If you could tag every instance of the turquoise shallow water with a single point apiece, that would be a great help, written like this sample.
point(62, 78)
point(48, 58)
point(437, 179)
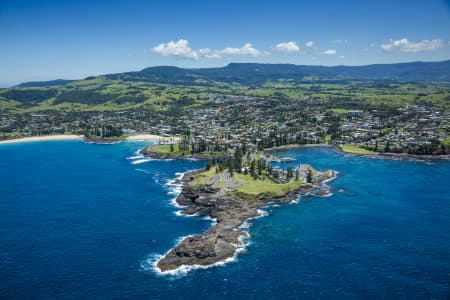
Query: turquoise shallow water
point(81, 221)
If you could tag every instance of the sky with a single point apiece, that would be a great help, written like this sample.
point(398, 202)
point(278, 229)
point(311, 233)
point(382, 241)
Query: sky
point(50, 39)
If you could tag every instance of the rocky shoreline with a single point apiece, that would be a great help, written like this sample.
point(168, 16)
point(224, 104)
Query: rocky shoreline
point(148, 153)
point(221, 241)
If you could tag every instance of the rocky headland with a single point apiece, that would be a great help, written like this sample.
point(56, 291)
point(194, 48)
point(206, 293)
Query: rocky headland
point(230, 209)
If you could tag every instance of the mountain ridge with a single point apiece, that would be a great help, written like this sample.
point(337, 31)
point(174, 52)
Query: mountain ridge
point(259, 73)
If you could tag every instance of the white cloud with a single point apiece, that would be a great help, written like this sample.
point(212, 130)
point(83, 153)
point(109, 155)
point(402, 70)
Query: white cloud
point(310, 44)
point(181, 49)
point(213, 56)
point(178, 49)
point(404, 45)
point(208, 53)
point(329, 52)
point(288, 47)
point(204, 51)
point(247, 50)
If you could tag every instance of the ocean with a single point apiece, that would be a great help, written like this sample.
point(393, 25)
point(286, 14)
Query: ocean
point(88, 221)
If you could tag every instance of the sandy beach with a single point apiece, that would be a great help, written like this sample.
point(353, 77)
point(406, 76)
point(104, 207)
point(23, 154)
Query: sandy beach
point(60, 137)
point(152, 137)
point(57, 137)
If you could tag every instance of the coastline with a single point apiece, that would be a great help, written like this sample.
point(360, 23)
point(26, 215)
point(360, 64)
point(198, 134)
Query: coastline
point(43, 138)
point(374, 155)
point(62, 137)
point(151, 137)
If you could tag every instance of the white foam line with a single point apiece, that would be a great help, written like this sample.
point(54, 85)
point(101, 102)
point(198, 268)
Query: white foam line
point(135, 157)
point(295, 201)
point(262, 213)
point(142, 170)
point(246, 224)
point(175, 188)
point(102, 143)
point(212, 220)
point(325, 196)
point(180, 214)
point(140, 161)
point(329, 179)
point(174, 202)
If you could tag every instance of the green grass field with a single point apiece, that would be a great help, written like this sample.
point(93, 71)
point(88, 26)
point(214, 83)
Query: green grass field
point(339, 110)
point(249, 188)
point(354, 149)
point(263, 185)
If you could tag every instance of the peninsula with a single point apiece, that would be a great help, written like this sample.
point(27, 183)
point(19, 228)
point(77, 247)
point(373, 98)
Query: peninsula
point(232, 189)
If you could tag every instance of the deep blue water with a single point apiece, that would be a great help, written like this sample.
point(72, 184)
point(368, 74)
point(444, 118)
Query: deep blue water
point(81, 221)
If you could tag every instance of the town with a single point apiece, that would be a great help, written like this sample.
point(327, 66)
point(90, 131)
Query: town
point(259, 123)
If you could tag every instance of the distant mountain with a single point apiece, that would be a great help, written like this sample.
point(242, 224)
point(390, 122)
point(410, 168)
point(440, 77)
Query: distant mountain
point(116, 90)
point(257, 74)
point(254, 74)
point(44, 83)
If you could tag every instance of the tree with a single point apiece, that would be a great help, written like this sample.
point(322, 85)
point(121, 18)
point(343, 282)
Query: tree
point(289, 174)
point(260, 167)
point(230, 168)
point(387, 148)
point(208, 165)
point(237, 161)
point(171, 148)
point(443, 150)
point(309, 176)
point(252, 168)
point(276, 175)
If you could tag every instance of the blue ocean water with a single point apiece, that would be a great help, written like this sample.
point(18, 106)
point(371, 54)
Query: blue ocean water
point(81, 221)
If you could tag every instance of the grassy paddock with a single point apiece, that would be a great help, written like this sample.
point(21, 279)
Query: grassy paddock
point(263, 185)
point(354, 149)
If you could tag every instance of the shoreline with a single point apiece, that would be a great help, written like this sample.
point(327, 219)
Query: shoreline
point(374, 155)
point(151, 137)
point(63, 137)
point(43, 138)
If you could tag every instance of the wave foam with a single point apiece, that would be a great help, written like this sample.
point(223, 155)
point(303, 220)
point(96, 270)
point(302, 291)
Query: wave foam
point(295, 201)
point(180, 214)
point(246, 224)
point(135, 157)
point(174, 187)
point(142, 170)
point(140, 161)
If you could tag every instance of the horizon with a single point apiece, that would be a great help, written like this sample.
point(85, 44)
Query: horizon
point(51, 39)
